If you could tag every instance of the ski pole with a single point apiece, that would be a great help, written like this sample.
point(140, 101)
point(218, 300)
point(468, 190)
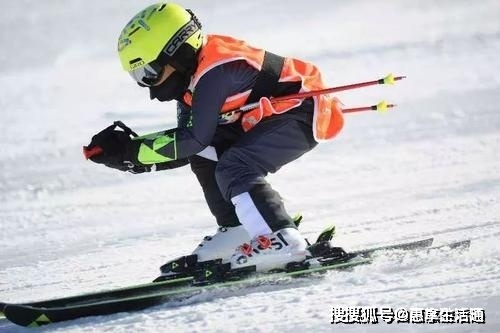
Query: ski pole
point(380, 107)
point(389, 79)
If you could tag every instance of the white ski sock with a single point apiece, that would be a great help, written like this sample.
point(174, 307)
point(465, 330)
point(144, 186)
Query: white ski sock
point(249, 215)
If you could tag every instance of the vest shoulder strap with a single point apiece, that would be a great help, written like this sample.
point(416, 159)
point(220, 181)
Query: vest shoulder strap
point(267, 79)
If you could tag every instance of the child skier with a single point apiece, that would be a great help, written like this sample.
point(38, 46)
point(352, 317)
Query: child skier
point(163, 49)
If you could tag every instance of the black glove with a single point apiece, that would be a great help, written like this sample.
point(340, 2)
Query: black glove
point(114, 148)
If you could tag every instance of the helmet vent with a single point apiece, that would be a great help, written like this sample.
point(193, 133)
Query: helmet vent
point(133, 31)
point(162, 6)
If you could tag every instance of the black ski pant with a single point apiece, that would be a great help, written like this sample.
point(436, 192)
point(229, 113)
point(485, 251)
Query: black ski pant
point(245, 158)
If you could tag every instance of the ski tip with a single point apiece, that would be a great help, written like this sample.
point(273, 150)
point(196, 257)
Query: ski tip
point(465, 243)
point(458, 245)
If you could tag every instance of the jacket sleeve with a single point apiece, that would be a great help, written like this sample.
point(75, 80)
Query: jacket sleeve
point(195, 133)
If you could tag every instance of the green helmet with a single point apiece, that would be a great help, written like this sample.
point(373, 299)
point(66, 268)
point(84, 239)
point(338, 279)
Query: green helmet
point(164, 33)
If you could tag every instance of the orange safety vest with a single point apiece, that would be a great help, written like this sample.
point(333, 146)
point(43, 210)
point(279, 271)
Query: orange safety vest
point(218, 50)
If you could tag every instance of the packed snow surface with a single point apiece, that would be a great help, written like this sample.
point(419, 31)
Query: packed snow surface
point(430, 167)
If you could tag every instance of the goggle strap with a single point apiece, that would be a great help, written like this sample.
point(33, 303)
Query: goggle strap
point(181, 36)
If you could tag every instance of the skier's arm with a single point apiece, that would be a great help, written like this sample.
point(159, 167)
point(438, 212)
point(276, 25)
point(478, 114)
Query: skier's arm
point(182, 142)
point(196, 127)
point(183, 120)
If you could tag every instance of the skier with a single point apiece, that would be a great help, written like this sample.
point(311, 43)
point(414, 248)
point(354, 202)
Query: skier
point(164, 50)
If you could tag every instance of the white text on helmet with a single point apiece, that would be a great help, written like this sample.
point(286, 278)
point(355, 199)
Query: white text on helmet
point(180, 37)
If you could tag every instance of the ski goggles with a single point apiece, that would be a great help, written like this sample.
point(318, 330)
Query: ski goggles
point(148, 75)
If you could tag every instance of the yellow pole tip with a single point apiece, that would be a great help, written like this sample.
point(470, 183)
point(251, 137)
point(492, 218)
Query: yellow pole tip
point(389, 79)
point(382, 106)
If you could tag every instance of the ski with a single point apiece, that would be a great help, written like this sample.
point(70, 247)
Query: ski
point(464, 244)
point(402, 246)
point(153, 287)
point(146, 295)
point(34, 316)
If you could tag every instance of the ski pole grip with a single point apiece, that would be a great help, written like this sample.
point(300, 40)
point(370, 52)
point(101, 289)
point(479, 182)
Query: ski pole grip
point(90, 152)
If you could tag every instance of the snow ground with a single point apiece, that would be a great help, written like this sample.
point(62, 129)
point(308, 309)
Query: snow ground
point(431, 167)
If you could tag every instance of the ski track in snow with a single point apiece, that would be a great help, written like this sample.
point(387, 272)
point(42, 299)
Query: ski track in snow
point(429, 168)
